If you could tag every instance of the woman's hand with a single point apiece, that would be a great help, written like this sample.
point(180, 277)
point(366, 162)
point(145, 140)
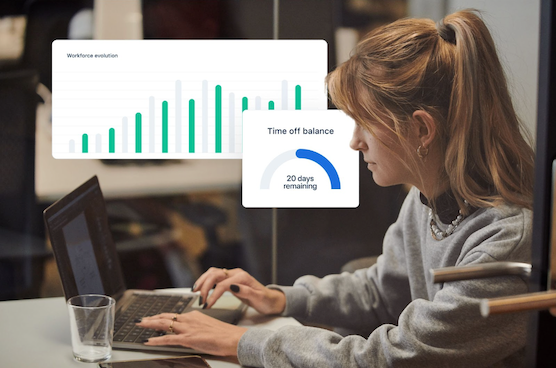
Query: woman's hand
point(243, 286)
point(195, 330)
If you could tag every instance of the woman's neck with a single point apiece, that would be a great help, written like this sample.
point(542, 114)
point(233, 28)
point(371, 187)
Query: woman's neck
point(433, 190)
point(431, 181)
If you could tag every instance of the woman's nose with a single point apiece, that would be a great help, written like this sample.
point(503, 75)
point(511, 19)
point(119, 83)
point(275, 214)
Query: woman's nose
point(357, 143)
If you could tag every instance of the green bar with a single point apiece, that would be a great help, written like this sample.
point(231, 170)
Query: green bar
point(191, 126)
point(112, 139)
point(164, 126)
point(298, 97)
point(85, 143)
point(218, 122)
point(271, 105)
point(245, 104)
point(138, 132)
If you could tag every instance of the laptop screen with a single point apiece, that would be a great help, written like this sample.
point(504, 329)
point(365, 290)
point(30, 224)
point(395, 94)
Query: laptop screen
point(82, 243)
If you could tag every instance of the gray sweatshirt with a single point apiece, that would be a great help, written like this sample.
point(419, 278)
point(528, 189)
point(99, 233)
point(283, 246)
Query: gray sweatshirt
point(397, 316)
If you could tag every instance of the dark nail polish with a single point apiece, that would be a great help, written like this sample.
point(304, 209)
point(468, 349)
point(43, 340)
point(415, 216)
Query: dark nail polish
point(194, 287)
point(137, 320)
point(205, 306)
point(200, 301)
point(214, 287)
point(234, 288)
point(144, 341)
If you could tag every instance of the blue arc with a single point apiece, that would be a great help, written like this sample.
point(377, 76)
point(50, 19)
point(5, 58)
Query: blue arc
point(305, 154)
point(324, 163)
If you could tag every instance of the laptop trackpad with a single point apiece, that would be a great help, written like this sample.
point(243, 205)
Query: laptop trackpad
point(221, 309)
point(226, 301)
point(221, 314)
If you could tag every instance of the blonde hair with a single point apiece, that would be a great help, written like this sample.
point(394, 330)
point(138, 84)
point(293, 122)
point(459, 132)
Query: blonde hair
point(451, 71)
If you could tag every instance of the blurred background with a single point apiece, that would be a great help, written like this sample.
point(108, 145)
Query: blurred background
point(168, 233)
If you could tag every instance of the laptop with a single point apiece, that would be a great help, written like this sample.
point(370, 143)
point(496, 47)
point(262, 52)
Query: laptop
point(88, 263)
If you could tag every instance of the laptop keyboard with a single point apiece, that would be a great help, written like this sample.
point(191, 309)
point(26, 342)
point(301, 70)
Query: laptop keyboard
point(145, 305)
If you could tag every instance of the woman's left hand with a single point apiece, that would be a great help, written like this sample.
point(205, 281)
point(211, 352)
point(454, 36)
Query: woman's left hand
point(195, 330)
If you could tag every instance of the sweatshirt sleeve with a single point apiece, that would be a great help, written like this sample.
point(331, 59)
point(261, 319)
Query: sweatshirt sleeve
point(445, 331)
point(359, 301)
point(448, 331)
point(354, 301)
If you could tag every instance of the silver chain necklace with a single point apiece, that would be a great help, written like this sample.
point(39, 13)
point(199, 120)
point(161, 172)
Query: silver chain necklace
point(438, 234)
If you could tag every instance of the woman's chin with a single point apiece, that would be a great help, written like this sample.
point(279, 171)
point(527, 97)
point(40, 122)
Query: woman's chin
point(379, 180)
point(379, 183)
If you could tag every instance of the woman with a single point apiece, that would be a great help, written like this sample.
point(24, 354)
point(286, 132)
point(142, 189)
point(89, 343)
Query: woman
point(432, 110)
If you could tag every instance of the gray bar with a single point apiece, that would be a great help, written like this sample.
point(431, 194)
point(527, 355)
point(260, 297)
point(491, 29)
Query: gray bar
point(151, 124)
point(205, 117)
point(479, 271)
point(284, 95)
point(231, 101)
point(258, 103)
point(519, 303)
point(72, 146)
point(98, 143)
point(274, 276)
point(275, 28)
point(124, 135)
point(178, 116)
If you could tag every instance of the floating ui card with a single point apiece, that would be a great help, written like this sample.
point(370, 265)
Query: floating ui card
point(175, 99)
point(299, 159)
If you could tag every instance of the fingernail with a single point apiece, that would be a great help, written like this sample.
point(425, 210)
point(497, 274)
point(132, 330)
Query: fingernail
point(137, 320)
point(234, 288)
point(194, 287)
point(144, 341)
point(214, 286)
point(205, 306)
point(200, 301)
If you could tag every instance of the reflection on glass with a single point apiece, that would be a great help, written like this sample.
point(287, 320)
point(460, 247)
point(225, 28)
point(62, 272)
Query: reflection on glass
point(553, 230)
point(552, 281)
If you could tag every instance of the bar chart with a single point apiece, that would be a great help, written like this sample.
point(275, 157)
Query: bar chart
point(175, 98)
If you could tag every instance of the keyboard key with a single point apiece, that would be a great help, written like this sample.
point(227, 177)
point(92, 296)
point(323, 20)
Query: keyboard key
point(143, 305)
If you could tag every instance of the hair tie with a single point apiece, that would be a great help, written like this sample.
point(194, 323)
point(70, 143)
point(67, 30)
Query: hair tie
point(446, 31)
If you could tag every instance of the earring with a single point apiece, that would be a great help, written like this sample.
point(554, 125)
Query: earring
point(422, 152)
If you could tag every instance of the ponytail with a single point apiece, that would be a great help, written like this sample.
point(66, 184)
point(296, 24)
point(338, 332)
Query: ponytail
point(486, 156)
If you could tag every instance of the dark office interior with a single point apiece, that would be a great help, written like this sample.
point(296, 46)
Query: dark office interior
point(219, 231)
point(169, 239)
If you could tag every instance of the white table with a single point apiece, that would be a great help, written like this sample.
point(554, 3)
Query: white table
point(36, 334)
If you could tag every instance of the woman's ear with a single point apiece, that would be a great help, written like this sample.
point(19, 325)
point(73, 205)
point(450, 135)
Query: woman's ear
point(424, 127)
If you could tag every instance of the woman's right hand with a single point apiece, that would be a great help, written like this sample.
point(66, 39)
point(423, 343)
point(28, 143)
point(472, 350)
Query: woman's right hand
point(243, 286)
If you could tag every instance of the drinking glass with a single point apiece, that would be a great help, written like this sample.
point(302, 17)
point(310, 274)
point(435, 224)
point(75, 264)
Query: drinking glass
point(92, 327)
